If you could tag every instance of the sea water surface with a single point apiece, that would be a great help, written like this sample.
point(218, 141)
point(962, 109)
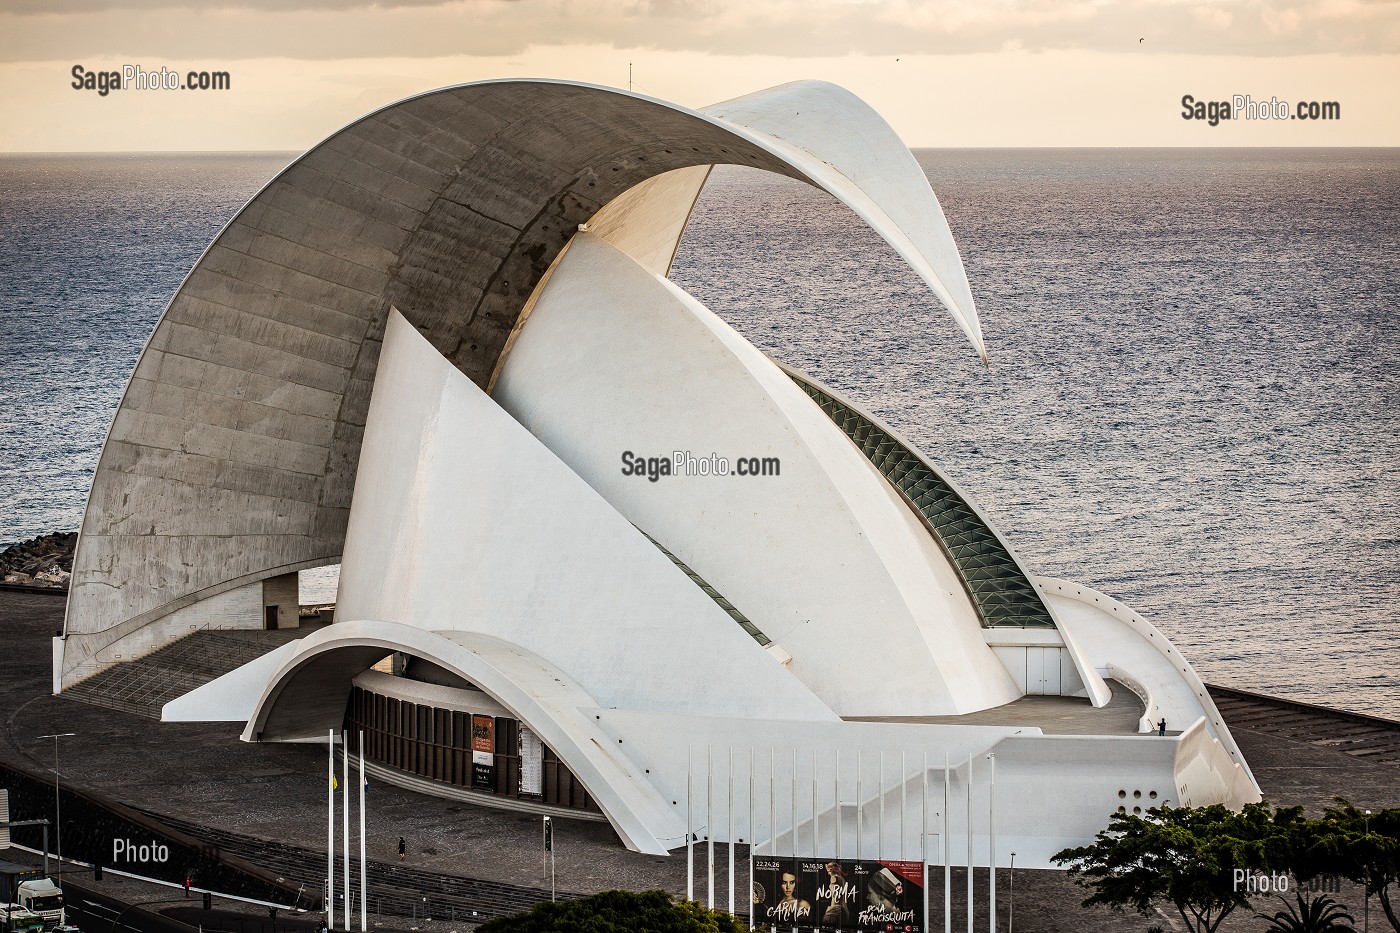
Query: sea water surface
point(1192, 401)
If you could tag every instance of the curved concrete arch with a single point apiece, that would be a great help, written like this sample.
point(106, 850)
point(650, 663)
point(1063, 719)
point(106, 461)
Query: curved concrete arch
point(306, 696)
point(233, 453)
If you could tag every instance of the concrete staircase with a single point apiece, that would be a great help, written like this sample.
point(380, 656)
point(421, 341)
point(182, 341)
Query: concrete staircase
point(145, 685)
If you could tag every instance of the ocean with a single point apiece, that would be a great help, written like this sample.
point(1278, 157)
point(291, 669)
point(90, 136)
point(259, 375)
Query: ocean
point(1192, 401)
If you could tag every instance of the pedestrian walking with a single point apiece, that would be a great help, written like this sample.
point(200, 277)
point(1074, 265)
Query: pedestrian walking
point(403, 848)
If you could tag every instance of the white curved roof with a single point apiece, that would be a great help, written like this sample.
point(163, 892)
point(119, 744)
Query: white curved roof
point(824, 557)
point(235, 449)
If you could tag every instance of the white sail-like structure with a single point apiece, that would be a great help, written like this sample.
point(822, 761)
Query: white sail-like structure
point(588, 534)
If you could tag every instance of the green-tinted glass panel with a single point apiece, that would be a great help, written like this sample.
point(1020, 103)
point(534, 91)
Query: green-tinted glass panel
point(999, 589)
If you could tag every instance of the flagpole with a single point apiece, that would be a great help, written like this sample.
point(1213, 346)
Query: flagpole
point(969, 844)
point(345, 820)
point(689, 822)
point(792, 832)
point(364, 899)
point(330, 828)
point(923, 842)
point(947, 849)
point(752, 837)
point(730, 809)
point(836, 797)
point(860, 808)
point(792, 796)
point(880, 852)
point(772, 800)
point(992, 840)
point(710, 826)
point(903, 800)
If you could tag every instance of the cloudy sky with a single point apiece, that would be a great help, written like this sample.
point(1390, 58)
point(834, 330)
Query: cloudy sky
point(997, 73)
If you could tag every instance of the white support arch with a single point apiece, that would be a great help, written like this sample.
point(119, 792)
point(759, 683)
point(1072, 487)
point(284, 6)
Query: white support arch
point(308, 692)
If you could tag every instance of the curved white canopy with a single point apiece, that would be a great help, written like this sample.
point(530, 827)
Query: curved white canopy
point(233, 454)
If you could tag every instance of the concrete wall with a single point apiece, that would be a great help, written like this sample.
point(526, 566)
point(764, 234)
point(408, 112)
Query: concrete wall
point(283, 592)
point(240, 608)
point(233, 454)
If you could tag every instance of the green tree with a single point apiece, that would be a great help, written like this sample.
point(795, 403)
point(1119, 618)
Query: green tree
point(1363, 849)
point(1184, 856)
point(618, 912)
point(1285, 842)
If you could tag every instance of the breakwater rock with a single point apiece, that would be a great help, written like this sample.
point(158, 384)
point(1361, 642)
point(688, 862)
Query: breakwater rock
point(44, 561)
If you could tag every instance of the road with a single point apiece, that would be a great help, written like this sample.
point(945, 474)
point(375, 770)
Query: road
point(98, 913)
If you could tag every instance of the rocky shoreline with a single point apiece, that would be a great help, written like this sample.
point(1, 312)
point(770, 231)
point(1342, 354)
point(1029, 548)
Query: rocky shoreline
point(45, 561)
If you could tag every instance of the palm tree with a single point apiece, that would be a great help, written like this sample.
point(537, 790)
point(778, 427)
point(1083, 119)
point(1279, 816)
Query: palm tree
point(1317, 915)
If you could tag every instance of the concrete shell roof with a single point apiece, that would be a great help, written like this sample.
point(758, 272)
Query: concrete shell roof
point(233, 454)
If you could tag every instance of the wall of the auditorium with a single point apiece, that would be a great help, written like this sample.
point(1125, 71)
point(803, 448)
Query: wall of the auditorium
point(458, 737)
point(281, 602)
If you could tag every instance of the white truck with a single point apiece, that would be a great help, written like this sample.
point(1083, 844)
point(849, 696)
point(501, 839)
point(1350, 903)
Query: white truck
point(43, 897)
point(26, 887)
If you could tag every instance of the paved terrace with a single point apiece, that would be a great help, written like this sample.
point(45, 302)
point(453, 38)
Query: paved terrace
point(1052, 715)
point(272, 796)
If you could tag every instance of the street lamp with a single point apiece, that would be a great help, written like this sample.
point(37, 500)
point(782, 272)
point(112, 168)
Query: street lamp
point(1367, 887)
point(57, 802)
point(1011, 916)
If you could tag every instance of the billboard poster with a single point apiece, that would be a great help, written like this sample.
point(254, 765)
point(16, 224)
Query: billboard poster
point(483, 751)
point(837, 895)
point(531, 763)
